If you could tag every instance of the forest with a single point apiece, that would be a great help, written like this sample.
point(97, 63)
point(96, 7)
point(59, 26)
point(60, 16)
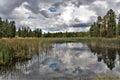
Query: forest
point(106, 26)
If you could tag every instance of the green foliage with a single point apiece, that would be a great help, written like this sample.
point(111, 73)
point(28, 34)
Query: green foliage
point(66, 34)
point(4, 54)
point(27, 32)
point(7, 28)
point(111, 23)
point(95, 30)
point(106, 26)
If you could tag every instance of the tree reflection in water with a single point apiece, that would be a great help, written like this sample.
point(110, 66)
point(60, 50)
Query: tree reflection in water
point(107, 54)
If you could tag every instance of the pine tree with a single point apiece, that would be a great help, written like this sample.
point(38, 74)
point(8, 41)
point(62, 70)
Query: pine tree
point(19, 32)
point(103, 30)
point(99, 24)
point(13, 28)
point(111, 23)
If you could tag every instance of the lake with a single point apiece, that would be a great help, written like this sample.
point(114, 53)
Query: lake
point(63, 61)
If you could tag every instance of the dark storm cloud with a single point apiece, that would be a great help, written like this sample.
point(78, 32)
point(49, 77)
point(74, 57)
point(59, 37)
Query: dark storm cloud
point(59, 4)
point(48, 14)
point(45, 13)
point(7, 6)
point(77, 3)
point(34, 9)
point(86, 2)
point(81, 25)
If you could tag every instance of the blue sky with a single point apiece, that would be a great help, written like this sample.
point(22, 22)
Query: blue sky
point(56, 15)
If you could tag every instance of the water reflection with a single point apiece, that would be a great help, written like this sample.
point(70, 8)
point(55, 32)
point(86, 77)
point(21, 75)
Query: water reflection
point(110, 56)
point(64, 61)
point(18, 56)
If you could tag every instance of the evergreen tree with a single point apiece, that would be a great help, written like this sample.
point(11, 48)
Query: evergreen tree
point(103, 30)
point(13, 28)
point(92, 30)
point(19, 32)
point(99, 23)
point(30, 33)
point(111, 23)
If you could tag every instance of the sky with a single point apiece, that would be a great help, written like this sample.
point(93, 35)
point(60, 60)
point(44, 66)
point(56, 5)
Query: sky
point(56, 15)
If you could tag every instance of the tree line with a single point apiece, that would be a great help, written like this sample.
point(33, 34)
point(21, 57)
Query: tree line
point(106, 26)
point(8, 30)
point(27, 32)
point(66, 34)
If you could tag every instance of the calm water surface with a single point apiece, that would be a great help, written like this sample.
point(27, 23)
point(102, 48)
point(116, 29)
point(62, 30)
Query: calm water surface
point(66, 61)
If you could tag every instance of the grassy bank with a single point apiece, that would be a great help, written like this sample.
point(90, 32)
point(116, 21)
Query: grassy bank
point(64, 38)
point(103, 42)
